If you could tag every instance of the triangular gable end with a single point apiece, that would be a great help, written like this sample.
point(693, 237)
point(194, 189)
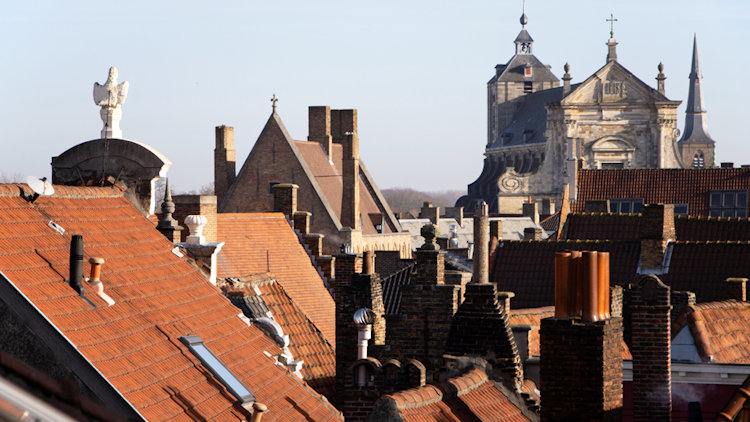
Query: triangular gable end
point(614, 84)
point(273, 130)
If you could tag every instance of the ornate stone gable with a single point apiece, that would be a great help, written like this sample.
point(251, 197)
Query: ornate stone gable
point(612, 84)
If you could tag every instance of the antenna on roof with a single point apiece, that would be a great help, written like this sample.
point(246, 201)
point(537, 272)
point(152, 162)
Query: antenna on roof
point(40, 186)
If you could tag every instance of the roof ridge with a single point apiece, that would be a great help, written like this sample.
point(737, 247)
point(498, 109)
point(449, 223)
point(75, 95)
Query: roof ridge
point(68, 192)
point(414, 397)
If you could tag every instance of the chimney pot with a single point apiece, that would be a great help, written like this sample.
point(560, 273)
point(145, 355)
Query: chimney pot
point(504, 299)
point(96, 269)
point(196, 223)
point(258, 410)
point(368, 262)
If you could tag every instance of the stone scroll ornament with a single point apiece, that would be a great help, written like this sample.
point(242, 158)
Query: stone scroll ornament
point(110, 97)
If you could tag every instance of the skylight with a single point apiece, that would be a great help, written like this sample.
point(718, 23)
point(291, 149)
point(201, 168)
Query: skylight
point(220, 371)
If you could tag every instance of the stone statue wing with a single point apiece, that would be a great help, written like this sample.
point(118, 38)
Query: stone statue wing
point(122, 92)
point(100, 94)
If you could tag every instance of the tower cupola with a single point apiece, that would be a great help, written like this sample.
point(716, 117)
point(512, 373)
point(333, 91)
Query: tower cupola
point(523, 40)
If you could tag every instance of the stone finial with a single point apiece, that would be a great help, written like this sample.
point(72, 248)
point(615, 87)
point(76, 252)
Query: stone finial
point(429, 232)
point(110, 97)
point(167, 224)
point(196, 223)
point(566, 67)
point(660, 78)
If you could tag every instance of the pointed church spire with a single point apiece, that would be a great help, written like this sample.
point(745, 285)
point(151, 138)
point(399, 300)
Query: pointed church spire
point(696, 125)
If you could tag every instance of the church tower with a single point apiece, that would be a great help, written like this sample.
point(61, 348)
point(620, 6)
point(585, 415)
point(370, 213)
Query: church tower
point(696, 145)
point(522, 75)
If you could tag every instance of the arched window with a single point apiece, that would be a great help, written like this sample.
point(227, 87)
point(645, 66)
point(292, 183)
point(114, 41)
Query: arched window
point(698, 161)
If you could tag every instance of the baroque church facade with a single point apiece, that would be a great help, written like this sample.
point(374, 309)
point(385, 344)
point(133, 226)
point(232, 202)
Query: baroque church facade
point(539, 132)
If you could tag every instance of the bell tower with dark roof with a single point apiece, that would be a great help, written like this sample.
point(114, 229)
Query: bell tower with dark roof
point(512, 82)
point(696, 145)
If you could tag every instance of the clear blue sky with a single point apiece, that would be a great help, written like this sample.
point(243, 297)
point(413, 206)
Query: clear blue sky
point(416, 70)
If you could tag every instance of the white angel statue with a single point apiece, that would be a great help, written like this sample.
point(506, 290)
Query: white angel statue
point(110, 97)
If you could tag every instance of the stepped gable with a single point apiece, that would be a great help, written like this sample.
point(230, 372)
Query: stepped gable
point(468, 397)
point(130, 353)
point(660, 186)
point(721, 330)
point(526, 268)
point(265, 242)
point(306, 342)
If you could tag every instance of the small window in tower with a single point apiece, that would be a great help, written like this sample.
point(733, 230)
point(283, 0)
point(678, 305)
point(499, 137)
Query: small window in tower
point(527, 71)
point(528, 87)
point(698, 160)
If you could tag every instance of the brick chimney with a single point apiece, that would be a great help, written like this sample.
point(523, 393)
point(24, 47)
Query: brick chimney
point(581, 352)
point(224, 161)
point(319, 127)
point(737, 289)
point(204, 205)
point(350, 199)
point(343, 122)
point(285, 198)
point(532, 233)
point(530, 210)
point(656, 231)
point(481, 243)
point(651, 350)
point(431, 212)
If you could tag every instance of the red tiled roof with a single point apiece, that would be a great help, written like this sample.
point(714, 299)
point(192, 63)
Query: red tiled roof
point(329, 177)
point(159, 298)
point(721, 330)
point(306, 342)
point(265, 242)
point(469, 397)
point(526, 268)
point(659, 186)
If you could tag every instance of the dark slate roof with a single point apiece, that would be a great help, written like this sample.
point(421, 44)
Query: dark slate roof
point(703, 267)
point(523, 36)
point(513, 71)
point(603, 226)
point(530, 121)
point(659, 186)
point(527, 268)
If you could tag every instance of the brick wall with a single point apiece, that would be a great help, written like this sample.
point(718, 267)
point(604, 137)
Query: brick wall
point(581, 370)
point(656, 230)
point(225, 159)
point(196, 205)
point(652, 369)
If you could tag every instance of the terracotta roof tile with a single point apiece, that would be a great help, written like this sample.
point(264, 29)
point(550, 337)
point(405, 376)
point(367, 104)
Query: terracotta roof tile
point(721, 330)
point(659, 186)
point(265, 242)
point(159, 297)
point(306, 342)
point(469, 397)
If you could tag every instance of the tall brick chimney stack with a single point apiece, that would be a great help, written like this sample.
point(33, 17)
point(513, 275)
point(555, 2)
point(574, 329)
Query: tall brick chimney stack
point(343, 122)
point(481, 244)
point(350, 198)
point(581, 346)
point(319, 127)
point(224, 161)
point(657, 230)
point(650, 346)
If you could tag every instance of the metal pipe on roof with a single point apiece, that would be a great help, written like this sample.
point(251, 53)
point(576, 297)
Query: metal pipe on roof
point(76, 263)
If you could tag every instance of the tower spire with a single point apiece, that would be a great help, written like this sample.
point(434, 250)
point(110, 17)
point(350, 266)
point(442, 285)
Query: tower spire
point(523, 41)
point(696, 125)
point(611, 43)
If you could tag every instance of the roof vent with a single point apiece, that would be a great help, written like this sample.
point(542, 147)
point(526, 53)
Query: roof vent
point(76, 263)
point(727, 165)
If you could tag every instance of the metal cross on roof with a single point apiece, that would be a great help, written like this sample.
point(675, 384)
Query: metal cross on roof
point(274, 100)
point(612, 21)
